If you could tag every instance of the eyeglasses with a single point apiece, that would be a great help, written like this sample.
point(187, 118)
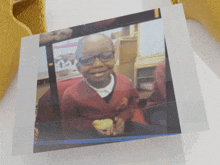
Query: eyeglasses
point(104, 57)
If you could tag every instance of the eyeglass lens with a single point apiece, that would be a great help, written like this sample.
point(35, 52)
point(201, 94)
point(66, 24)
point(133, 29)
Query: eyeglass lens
point(106, 56)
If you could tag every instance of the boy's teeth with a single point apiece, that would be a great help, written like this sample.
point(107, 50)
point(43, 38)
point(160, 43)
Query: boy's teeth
point(99, 74)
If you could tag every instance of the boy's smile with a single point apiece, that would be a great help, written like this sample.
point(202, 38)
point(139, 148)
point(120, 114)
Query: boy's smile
point(99, 73)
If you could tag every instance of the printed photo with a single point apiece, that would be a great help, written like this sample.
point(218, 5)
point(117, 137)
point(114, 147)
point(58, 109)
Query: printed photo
point(104, 82)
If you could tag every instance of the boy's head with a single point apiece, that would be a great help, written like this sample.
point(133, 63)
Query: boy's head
point(95, 55)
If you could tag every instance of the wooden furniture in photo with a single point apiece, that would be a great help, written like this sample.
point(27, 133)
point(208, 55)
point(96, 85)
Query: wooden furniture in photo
point(144, 67)
point(144, 73)
point(126, 55)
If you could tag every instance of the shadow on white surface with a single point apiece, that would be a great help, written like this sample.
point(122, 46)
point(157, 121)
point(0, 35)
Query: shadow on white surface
point(205, 46)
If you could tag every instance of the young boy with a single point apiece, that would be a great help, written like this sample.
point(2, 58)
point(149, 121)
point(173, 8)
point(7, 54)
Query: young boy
point(102, 101)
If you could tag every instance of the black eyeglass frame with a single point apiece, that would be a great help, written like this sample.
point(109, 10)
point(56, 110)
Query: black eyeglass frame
point(96, 56)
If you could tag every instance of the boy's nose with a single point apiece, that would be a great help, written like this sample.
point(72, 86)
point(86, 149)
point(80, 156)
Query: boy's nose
point(97, 62)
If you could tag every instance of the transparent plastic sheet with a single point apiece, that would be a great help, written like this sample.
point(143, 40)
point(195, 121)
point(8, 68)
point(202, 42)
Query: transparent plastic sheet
point(159, 149)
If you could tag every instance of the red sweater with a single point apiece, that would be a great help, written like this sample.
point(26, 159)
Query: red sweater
point(81, 104)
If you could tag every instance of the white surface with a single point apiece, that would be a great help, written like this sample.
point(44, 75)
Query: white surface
point(68, 13)
point(200, 148)
point(153, 4)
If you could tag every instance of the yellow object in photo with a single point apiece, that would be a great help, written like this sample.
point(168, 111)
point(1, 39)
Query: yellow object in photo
point(103, 124)
point(17, 19)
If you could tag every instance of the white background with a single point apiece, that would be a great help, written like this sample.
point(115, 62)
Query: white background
point(199, 148)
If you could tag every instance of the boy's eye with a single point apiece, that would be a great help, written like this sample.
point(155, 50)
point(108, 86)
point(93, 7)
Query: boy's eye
point(103, 57)
point(86, 60)
point(107, 53)
point(106, 57)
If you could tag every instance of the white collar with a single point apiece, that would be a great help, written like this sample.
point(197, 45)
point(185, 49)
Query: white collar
point(103, 92)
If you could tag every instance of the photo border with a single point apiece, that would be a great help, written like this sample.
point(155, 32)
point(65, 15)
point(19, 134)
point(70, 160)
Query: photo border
point(91, 28)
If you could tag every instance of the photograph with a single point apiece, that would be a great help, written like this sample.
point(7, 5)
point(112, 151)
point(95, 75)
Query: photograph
point(103, 82)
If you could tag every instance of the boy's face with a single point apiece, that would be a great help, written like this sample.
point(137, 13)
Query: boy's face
point(99, 70)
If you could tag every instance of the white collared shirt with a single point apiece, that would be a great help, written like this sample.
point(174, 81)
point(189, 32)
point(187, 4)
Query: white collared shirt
point(103, 92)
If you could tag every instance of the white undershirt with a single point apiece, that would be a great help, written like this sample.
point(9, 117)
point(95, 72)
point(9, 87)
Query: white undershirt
point(103, 92)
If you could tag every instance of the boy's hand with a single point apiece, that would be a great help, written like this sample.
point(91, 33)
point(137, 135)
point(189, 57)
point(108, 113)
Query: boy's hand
point(119, 126)
point(104, 127)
